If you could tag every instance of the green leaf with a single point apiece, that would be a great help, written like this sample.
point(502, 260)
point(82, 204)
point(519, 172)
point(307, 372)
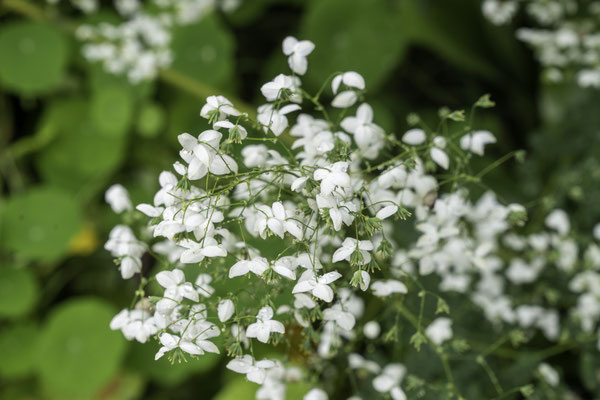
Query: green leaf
point(38, 224)
point(111, 110)
point(80, 156)
point(204, 51)
point(417, 340)
point(18, 292)
point(237, 389)
point(353, 35)
point(442, 307)
point(485, 101)
point(78, 353)
point(151, 120)
point(18, 349)
point(34, 57)
point(141, 359)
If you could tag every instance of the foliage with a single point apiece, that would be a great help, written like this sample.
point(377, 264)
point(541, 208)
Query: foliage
point(72, 123)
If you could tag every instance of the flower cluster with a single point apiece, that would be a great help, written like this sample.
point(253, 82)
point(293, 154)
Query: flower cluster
point(279, 229)
point(565, 42)
point(139, 45)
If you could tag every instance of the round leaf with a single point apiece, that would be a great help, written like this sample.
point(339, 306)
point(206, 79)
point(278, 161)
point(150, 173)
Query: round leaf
point(18, 349)
point(204, 51)
point(81, 155)
point(78, 353)
point(151, 120)
point(18, 292)
point(34, 57)
point(364, 36)
point(111, 110)
point(39, 223)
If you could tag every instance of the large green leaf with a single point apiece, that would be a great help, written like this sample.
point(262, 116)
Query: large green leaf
point(78, 353)
point(80, 155)
point(18, 292)
point(111, 110)
point(39, 223)
point(34, 57)
point(353, 35)
point(18, 346)
point(204, 51)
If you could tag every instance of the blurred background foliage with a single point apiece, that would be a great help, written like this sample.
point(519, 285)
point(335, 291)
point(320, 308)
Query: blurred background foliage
point(68, 130)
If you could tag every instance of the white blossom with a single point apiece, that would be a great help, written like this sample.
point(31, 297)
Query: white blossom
point(297, 52)
point(264, 326)
point(439, 330)
point(318, 286)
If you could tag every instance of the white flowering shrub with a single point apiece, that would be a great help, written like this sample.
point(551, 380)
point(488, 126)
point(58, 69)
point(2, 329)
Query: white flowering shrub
point(566, 38)
point(294, 238)
point(138, 46)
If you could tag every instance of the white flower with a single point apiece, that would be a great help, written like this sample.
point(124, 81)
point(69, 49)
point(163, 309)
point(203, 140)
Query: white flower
point(387, 212)
point(499, 12)
point(275, 218)
point(195, 339)
point(232, 128)
point(219, 106)
point(284, 267)
point(338, 211)
point(169, 342)
point(316, 394)
point(297, 52)
point(344, 99)
point(130, 266)
point(274, 119)
point(318, 286)
point(438, 155)
point(476, 141)
point(389, 381)
point(372, 329)
point(439, 330)
point(257, 266)
point(350, 79)
point(118, 198)
point(123, 244)
point(192, 342)
point(368, 136)
point(387, 288)
point(196, 252)
point(549, 374)
point(135, 324)
point(202, 155)
point(341, 317)
point(225, 310)
point(176, 288)
point(282, 85)
point(559, 221)
point(351, 245)
point(414, 137)
point(265, 324)
point(304, 301)
point(596, 232)
point(203, 285)
point(333, 177)
point(255, 371)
